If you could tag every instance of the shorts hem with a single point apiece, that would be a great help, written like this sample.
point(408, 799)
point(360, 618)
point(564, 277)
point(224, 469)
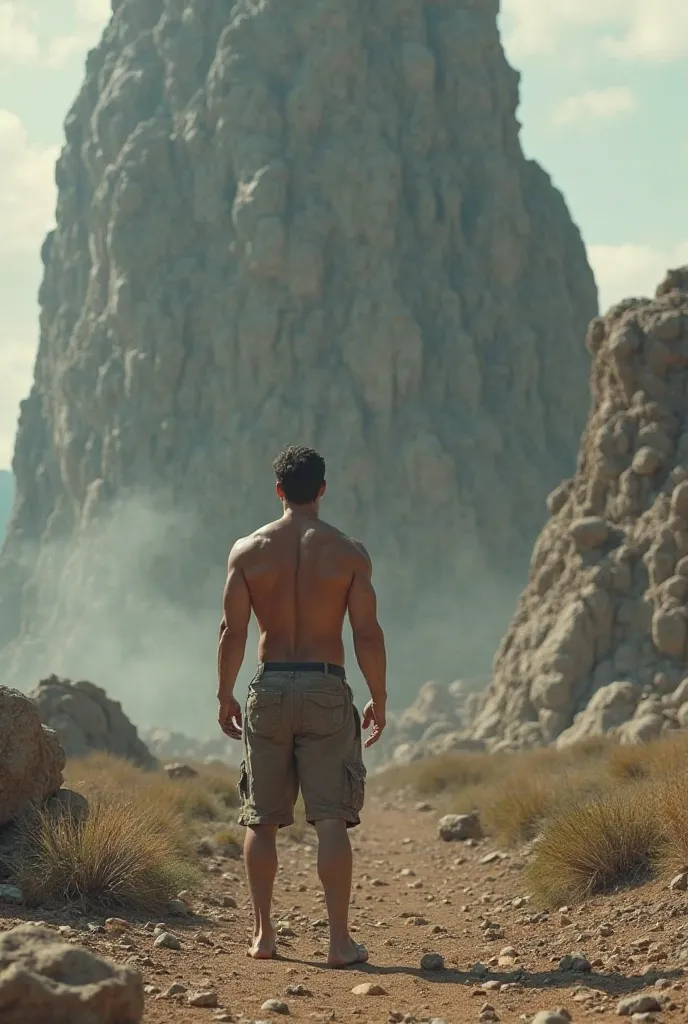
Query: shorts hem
point(281, 820)
point(347, 814)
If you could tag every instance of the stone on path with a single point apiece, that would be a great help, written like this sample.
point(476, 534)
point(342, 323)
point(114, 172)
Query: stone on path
point(458, 827)
point(204, 997)
point(560, 1016)
point(432, 962)
point(168, 941)
point(637, 1004)
point(368, 988)
point(275, 1006)
point(43, 979)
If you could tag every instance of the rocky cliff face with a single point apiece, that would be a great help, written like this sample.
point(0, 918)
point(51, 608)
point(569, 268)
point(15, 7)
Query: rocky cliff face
point(599, 640)
point(307, 222)
point(6, 501)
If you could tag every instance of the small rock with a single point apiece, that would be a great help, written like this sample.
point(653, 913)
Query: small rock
point(589, 532)
point(297, 990)
point(175, 989)
point(637, 1004)
point(453, 827)
point(560, 1016)
point(167, 940)
point(432, 962)
point(177, 908)
point(489, 858)
point(423, 807)
point(368, 988)
point(480, 970)
point(204, 997)
point(117, 924)
point(573, 962)
point(229, 901)
point(11, 894)
point(180, 771)
point(680, 882)
point(275, 1006)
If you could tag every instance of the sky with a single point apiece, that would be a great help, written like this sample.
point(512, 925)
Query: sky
point(603, 109)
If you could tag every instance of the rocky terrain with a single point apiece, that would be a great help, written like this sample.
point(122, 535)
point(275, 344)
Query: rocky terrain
point(599, 638)
point(310, 224)
point(86, 720)
point(452, 931)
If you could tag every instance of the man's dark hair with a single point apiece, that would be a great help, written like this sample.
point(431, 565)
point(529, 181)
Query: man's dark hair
point(300, 473)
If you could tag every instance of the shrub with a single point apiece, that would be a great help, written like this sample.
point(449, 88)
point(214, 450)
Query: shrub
point(610, 840)
point(119, 855)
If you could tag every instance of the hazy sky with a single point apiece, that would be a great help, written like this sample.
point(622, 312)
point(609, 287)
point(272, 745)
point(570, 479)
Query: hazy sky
point(603, 108)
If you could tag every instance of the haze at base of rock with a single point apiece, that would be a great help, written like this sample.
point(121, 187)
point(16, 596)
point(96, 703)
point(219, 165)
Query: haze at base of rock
point(6, 501)
point(313, 227)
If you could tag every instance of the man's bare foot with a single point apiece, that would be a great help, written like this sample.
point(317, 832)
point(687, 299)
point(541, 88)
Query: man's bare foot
point(345, 956)
point(263, 948)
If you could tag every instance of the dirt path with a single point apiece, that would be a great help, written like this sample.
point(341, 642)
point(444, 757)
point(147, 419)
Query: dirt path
point(414, 895)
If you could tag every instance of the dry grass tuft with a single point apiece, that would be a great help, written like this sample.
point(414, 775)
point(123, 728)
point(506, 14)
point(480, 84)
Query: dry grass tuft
point(515, 811)
point(120, 855)
point(672, 807)
point(609, 841)
point(204, 798)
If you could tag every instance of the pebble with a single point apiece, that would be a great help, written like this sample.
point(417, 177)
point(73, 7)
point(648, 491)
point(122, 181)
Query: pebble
point(633, 1005)
point(178, 908)
point(204, 997)
point(11, 894)
point(229, 901)
point(275, 1006)
point(560, 1016)
point(432, 962)
point(575, 962)
point(297, 990)
point(368, 988)
point(175, 989)
point(680, 882)
point(167, 940)
point(117, 924)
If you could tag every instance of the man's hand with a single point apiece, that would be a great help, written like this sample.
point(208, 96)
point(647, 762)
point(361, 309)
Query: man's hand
point(229, 718)
point(374, 714)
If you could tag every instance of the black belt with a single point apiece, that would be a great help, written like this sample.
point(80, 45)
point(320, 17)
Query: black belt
point(302, 666)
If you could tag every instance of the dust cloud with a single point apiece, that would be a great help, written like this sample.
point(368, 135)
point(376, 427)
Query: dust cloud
point(133, 603)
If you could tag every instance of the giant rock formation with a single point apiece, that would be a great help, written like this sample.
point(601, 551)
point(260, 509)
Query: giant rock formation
point(599, 640)
point(308, 222)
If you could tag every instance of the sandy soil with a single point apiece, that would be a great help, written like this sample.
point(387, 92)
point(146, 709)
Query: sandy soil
point(414, 895)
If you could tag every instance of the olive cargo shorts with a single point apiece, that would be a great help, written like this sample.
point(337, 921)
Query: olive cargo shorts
point(301, 729)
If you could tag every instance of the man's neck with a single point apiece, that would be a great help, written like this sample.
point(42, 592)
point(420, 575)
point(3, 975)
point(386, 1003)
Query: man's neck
point(300, 511)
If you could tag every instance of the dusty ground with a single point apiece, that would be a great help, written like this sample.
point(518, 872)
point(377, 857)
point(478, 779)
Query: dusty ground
point(414, 895)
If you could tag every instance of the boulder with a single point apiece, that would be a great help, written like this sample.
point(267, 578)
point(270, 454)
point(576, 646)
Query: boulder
point(86, 720)
point(458, 827)
point(44, 980)
point(31, 758)
point(609, 708)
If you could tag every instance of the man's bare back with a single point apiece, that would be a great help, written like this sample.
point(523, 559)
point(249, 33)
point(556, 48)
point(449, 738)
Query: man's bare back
point(302, 574)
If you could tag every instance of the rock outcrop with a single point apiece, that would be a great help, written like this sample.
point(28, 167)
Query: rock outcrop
point(176, 746)
point(43, 979)
point(6, 501)
point(308, 222)
point(435, 723)
point(86, 720)
point(599, 640)
point(31, 758)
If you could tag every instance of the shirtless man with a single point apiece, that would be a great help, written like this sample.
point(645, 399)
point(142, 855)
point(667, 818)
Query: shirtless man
point(301, 729)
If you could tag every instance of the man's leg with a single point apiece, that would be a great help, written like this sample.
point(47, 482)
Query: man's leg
point(260, 857)
point(335, 865)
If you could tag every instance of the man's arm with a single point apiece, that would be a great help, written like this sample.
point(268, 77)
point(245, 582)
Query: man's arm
point(236, 615)
point(369, 641)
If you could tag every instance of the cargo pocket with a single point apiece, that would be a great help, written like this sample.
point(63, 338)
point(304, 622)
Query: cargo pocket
point(323, 712)
point(355, 784)
point(264, 713)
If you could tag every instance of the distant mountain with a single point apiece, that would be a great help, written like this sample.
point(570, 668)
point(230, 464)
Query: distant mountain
point(6, 499)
